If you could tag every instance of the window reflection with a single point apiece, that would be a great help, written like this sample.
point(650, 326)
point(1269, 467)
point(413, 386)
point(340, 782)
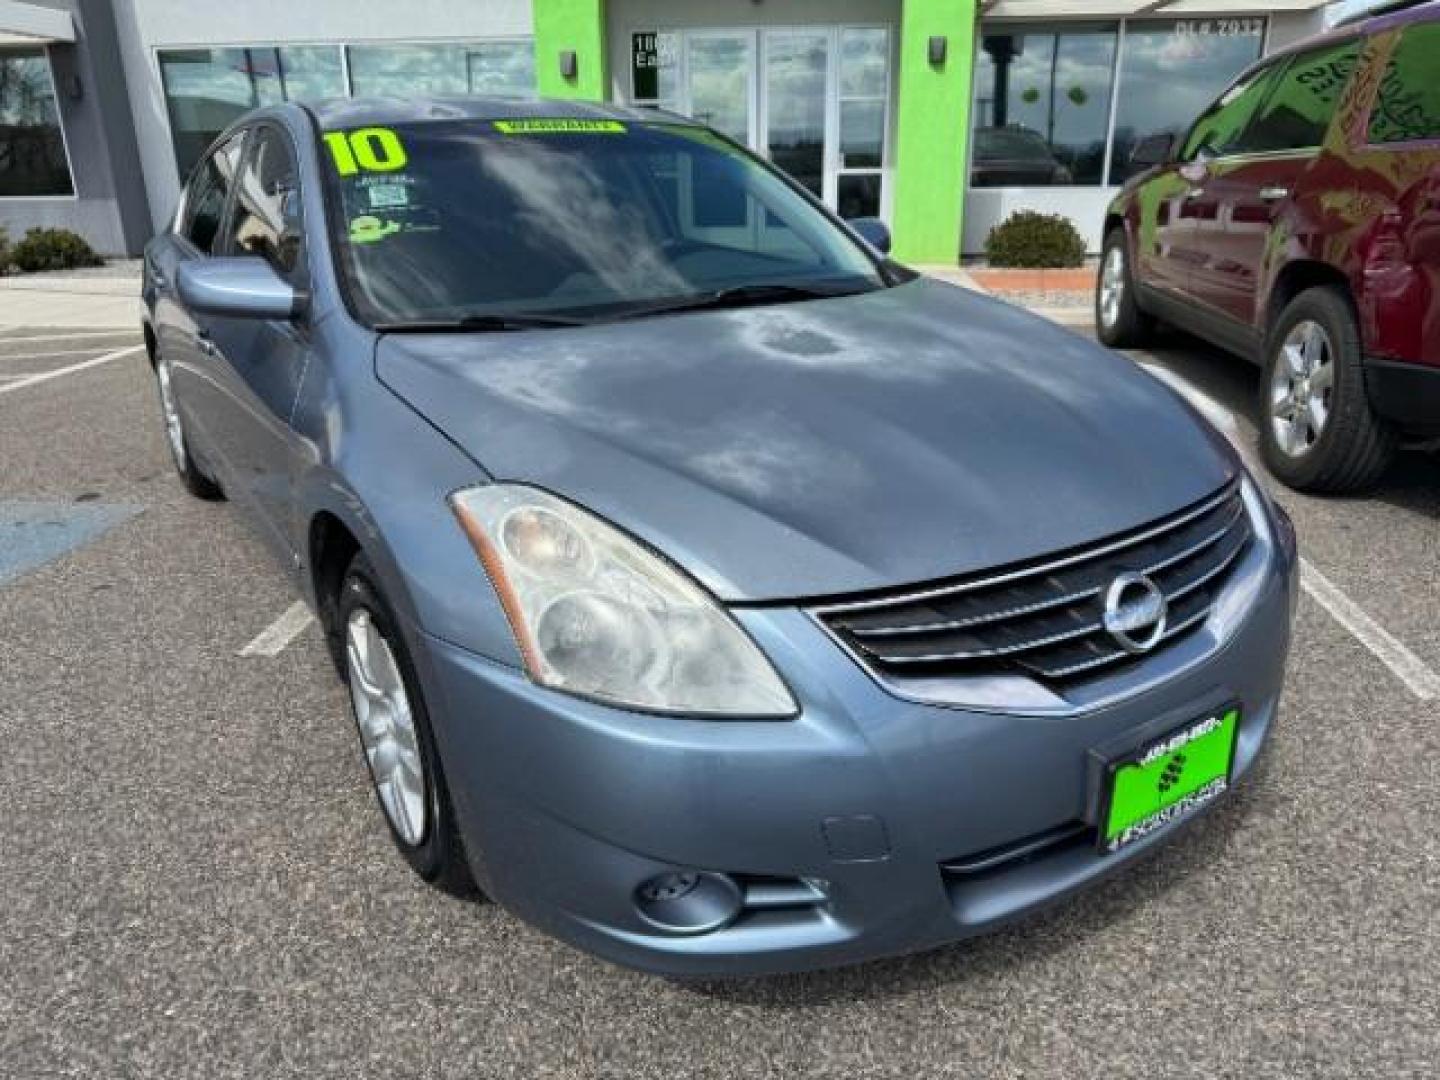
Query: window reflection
point(1170, 72)
point(206, 90)
point(32, 150)
point(1042, 105)
point(492, 68)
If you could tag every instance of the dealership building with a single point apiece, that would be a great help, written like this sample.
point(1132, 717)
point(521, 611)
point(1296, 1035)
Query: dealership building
point(941, 116)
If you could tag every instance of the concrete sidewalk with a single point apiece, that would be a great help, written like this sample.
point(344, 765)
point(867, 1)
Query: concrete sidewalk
point(80, 302)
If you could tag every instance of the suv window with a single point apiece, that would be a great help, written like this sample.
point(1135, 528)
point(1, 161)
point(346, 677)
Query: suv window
point(1407, 107)
point(1219, 128)
point(266, 219)
point(1297, 113)
point(209, 189)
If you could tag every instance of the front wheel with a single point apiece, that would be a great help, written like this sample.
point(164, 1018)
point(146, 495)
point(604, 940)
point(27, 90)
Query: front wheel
point(1119, 322)
point(195, 481)
point(395, 735)
point(1317, 431)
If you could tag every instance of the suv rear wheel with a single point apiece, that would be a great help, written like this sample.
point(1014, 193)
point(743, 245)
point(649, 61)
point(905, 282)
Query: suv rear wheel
point(1317, 430)
point(1119, 322)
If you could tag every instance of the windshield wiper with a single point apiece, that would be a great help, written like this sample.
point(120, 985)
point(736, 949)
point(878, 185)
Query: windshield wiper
point(740, 296)
point(479, 323)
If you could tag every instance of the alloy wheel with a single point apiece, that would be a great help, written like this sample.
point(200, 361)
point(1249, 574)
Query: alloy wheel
point(1301, 384)
point(387, 727)
point(1112, 286)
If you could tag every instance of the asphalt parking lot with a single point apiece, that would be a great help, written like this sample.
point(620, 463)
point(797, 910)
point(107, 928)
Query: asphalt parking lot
point(195, 880)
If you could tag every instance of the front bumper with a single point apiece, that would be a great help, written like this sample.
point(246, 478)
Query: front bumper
point(868, 826)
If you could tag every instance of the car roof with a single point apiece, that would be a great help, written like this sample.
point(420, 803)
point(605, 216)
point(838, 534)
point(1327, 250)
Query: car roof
point(363, 111)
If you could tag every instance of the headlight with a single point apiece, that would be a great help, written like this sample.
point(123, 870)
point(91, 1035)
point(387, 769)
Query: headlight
point(597, 614)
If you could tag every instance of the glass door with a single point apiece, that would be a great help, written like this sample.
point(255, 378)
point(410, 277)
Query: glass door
point(861, 104)
point(797, 70)
point(812, 99)
point(720, 78)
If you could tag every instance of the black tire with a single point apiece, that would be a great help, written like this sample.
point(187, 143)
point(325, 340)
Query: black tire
point(1131, 327)
point(194, 479)
point(1354, 446)
point(439, 856)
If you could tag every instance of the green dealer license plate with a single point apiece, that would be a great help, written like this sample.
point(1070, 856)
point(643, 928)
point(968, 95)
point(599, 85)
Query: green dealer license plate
point(1168, 779)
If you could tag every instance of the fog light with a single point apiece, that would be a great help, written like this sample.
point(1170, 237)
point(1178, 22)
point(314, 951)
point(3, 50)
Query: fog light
point(689, 901)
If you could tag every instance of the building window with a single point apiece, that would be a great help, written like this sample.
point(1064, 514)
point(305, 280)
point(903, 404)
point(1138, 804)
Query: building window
point(491, 68)
point(32, 148)
point(1042, 105)
point(1170, 72)
point(208, 89)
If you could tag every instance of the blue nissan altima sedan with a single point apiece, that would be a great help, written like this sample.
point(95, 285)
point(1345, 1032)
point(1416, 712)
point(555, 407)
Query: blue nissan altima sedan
point(712, 591)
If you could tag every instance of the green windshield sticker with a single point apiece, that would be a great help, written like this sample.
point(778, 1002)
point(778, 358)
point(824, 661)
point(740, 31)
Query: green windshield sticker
point(372, 149)
point(366, 229)
point(559, 127)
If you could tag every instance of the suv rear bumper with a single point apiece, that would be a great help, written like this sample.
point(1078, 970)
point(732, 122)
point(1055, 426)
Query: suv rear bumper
point(1405, 393)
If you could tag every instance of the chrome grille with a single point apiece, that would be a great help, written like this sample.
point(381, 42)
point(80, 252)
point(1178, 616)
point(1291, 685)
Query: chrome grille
point(1044, 619)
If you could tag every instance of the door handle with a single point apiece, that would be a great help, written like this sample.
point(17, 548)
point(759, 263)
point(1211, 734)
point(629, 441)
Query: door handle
point(206, 345)
point(159, 280)
point(1274, 194)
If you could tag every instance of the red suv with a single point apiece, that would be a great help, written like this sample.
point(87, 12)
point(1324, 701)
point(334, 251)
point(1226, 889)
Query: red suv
point(1298, 223)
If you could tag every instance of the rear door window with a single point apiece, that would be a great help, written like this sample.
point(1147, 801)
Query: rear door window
point(1407, 107)
point(266, 218)
point(209, 191)
point(1297, 113)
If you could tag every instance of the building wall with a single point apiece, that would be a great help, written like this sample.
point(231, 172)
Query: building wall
point(147, 25)
point(108, 207)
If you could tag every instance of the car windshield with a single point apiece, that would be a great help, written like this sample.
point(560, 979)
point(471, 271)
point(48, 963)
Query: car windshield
point(521, 223)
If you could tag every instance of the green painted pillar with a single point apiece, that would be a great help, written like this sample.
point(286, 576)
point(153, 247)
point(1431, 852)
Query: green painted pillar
point(932, 130)
point(571, 26)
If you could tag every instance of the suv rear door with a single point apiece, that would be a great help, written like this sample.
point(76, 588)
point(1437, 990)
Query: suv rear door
point(1244, 193)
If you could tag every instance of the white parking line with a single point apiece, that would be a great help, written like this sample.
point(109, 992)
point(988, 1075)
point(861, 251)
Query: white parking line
point(1419, 678)
point(46, 376)
point(272, 640)
point(66, 336)
point(44, 355)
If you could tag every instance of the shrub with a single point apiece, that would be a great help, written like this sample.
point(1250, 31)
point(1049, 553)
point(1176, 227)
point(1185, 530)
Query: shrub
point(4, 249)
point(1028, 238)
point(53, 249)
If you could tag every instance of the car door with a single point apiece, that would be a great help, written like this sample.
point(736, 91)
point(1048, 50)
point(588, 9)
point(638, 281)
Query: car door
point(257, 365)
point(1246, 194)
point(1192, 212)
point(198, 232)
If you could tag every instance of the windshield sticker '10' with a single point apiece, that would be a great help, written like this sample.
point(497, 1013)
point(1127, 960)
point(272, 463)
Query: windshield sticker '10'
point(372, 149)
point(559, 127)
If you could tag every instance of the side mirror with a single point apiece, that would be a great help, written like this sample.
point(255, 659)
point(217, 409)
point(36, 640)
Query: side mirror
point(246, 287)
point(1153, 150)
point(874, 232)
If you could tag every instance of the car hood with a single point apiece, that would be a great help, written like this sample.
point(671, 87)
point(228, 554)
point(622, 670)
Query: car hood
point(823, 447)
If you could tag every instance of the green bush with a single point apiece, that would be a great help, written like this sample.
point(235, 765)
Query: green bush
point(1028, 238)
point(4, 249)
point(53, 249)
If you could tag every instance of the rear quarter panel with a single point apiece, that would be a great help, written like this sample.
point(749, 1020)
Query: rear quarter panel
point(1372, 213)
